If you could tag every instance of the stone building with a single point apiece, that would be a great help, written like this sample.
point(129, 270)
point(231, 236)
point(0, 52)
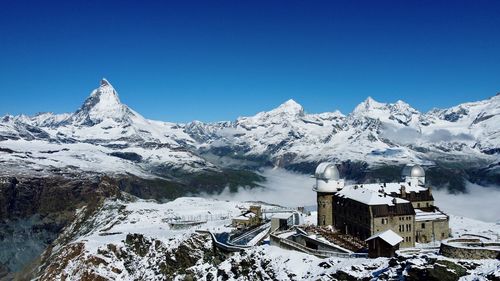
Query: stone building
point(363, 210)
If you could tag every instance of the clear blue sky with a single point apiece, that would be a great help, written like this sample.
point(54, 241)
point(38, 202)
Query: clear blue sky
point(216, 60)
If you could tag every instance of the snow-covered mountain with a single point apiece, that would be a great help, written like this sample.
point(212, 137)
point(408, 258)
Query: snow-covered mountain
point(377, 133)
point(104, 135)
point(107, 136)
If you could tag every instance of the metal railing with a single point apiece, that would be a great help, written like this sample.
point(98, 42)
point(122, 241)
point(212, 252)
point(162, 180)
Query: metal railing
point(319, 253)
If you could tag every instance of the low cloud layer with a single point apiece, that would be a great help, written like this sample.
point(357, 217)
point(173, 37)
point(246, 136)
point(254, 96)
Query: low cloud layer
point(482, 203)
point(293, 189)
point(282, 187)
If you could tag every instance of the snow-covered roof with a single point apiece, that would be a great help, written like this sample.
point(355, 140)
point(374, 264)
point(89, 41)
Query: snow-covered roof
point(388, 236)
point(245, 216)
point(421, 215)
point(394, 187)
point(282, 215)
point(366, 196)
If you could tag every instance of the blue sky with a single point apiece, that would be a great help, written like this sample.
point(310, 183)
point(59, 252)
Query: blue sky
point(217, 60)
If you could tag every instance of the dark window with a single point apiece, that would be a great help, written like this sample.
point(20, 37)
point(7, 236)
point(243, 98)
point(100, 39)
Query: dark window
point(423, 225)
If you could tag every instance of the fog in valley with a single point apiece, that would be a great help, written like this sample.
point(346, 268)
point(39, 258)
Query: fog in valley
point(293, 189)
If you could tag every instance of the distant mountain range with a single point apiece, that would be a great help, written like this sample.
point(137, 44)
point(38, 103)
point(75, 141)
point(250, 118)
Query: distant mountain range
point(58, 169)
point(105, 136)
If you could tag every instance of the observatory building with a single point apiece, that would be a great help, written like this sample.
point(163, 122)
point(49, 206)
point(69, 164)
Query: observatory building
point(363, 210)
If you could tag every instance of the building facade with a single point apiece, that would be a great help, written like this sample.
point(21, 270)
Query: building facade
point(363, 210)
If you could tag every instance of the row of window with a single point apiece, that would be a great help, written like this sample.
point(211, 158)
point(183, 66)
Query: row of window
point(386, 221)
point(426, 205)
point(403, 227)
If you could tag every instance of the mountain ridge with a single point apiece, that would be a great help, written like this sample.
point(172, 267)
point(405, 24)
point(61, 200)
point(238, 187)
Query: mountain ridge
point(287, 136)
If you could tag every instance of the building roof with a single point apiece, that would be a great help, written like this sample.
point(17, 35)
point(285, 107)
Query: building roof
point(367, 196)
point(282, 215)
point(394, 187)
point(388, 236)
point(421, 215)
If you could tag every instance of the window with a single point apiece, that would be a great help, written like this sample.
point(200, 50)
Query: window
point(423, 225)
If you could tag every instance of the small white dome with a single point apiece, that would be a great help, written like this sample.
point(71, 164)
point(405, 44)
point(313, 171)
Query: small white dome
point(327, 171)
point(414, 171)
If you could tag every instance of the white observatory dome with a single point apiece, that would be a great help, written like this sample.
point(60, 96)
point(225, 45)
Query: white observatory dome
point(414, 171)
point(327, 171)
point(327, 178)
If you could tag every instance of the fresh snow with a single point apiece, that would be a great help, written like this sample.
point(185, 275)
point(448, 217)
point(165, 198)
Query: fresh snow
point(116, 219)
point(388, 236)
point(366, 196)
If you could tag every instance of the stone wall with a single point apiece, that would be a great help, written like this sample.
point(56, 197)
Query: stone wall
point(402, 225)
point(424, 230)
point(470, 249)
point(325, 209)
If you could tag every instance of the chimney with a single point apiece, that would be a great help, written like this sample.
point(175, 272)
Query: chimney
point(402, 190)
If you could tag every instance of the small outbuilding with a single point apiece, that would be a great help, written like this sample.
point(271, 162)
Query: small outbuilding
point(383, 244)
point(281, 221)
point(251, 217)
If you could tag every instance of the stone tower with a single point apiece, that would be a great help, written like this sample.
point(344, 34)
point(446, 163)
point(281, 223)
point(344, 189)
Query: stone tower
point(327, 183)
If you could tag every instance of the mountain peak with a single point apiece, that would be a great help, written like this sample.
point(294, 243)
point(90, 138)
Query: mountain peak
point(290, 106)
point(368, 104)
point(105, 82)
point(103, 103)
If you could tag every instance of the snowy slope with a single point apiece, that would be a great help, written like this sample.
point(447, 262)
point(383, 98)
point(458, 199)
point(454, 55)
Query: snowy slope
point(133, 240)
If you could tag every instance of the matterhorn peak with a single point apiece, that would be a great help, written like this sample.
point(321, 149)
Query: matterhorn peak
point(105, 82)
point(103, 103)
point(104, 95)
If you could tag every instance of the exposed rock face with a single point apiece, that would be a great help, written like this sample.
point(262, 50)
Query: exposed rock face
point(441, 270)
point(24, 197)
point(33, 211)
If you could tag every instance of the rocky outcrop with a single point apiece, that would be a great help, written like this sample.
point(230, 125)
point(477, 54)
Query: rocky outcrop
point(33, 211)
point(23, 197)
point(140, 257)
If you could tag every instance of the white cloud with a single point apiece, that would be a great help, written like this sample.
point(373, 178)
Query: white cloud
point(482, 203)
point(293, 189)
point(282, 187)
